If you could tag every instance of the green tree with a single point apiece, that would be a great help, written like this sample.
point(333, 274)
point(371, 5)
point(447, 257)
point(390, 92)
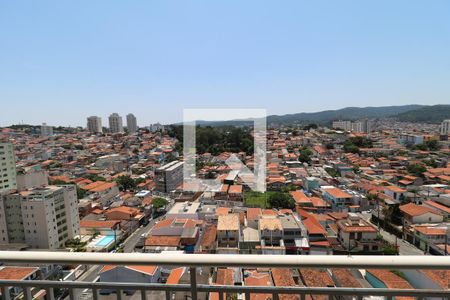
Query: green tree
point(210, 175)
point(310, 126)
point(159, 202)
point(57, 182)
point(94, 177)
point(139, 180)
point(353, 144)
point(432, 145)
point(80, 193)
point(76, 244)
point(280, 200)
point(126, 183)
point(305, 155)
point(416, 170)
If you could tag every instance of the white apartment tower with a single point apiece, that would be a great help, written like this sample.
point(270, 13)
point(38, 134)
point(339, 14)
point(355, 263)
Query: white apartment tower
point(7, 167)
point(344, 125)
point(94, 124)
point(44, 218)
point(46, 130)
point(115, 123)
point(445, 127)
point(131, 123)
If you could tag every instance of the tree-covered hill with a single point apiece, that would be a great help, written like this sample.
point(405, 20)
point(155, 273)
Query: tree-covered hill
point(426, 114)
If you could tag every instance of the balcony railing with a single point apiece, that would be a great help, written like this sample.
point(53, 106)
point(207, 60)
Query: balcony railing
point(194, 261)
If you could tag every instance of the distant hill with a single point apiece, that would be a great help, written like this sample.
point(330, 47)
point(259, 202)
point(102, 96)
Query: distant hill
point(426, 114)
point(406, 112)
point(348, 113)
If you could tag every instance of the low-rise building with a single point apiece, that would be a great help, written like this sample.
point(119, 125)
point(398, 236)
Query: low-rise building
point(356, 234)
point(337, 197)
point(419, 214)
point(228, 231)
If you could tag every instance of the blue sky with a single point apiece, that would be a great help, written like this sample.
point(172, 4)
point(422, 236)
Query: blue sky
point(61, 61)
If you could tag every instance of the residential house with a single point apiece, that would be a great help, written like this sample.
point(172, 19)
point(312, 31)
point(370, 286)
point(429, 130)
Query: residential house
point(395, 192)
point(271, 234)
point(19, 274)
point(228, 233)
point(337, 197)
point(356, 234)
point(131, 274)
point(419, 214)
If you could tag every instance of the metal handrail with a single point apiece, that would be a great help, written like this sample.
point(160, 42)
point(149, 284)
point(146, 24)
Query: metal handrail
point(43, 284)
point(229, 260)
point(192, 261)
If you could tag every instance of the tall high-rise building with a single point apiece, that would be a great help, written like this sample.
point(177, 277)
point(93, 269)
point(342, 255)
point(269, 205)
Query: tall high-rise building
point(46, 130)
point(445, 127)
point(156, 127)
point(94, 124)
point(115, 123)
point(131, 123)
point(7, 167)
point(44, 218)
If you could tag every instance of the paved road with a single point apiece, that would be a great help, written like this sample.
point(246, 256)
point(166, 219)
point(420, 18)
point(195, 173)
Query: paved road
point(404, 247)
point(91, 273)
point(131, 241)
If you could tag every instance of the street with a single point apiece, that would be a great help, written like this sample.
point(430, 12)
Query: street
point(404, 247)
point(130, 243)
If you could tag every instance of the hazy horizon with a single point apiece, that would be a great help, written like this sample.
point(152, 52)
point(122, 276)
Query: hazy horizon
point(216, 116)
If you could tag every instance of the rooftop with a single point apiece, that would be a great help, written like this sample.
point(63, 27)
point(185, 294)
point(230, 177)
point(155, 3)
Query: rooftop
point(228, 222)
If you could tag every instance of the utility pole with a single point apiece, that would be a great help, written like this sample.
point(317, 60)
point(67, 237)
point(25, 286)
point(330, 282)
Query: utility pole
point(446, 242)
point(378, 210)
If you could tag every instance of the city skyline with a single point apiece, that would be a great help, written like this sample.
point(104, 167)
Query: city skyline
point(217, 117)
point(156, 60)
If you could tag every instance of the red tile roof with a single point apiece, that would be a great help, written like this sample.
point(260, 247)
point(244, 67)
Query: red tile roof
point(300, 197)
point(149, 270)
point(345, 278)
point(16, 273)
point(437, 206)
point(175, 275)
point(415, 210)
point(338, 193)
point(392, 281)
point(98, 224)
point(254, 213)
point(441, 277)
point(163, 240)
point(256, 278)
point(283, 277)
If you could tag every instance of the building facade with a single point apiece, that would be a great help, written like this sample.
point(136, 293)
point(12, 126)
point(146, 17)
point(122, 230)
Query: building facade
point(445, 127)
point(7, 167)
point(94, 124)
point(131, 123)
point(46, 130)
point(169, 176)
point(44, 218)
point(115, 123)
point(356, 234)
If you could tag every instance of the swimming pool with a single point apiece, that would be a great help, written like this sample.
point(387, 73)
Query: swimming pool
point(105, 241)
